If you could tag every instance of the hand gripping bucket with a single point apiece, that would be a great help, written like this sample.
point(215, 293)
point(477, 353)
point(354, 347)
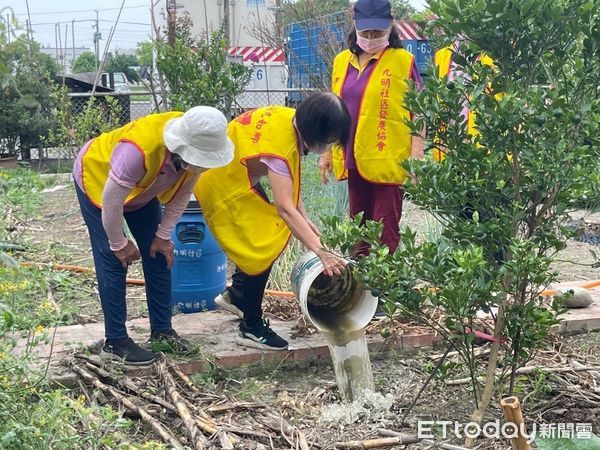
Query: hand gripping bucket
point(331, 302)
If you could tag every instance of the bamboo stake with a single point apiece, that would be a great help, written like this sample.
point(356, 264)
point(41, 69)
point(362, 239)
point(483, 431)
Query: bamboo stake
point(237, 405)
point(278, 423)
point(126, 383)
point(512, 412)
point(198, 439)
point(377, 443)
point(528, 370)
point(226, 443)
point(385, 432)
point(182, 376)
point(139, 410)
point(212, 428)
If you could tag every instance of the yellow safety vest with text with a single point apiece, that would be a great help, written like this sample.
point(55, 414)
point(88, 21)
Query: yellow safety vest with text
point(248, 228)
point(443, 63)
point(146, 134)
point(382, 140)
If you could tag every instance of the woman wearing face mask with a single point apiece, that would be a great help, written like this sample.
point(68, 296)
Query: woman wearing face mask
point(372, 77)
point(126, 174)
point(252, 229)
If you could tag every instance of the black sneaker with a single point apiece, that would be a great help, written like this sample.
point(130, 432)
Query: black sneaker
point(225, 301)
point(127, 351)
point(169, 341)
point(379, 312)
point(261, 336)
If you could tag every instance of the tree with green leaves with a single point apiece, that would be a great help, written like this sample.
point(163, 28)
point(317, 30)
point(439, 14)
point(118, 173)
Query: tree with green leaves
point(503, 193)
point(26, 103)
point(123, 63)
point(86, 62)
point(198, 71)
point(144, 53)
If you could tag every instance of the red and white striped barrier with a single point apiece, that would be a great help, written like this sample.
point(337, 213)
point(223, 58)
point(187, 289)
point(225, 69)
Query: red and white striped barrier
point(258, 54)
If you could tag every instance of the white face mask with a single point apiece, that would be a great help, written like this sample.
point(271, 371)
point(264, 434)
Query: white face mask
point(374, 45)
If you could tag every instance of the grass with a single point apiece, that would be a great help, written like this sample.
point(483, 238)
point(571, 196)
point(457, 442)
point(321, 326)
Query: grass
point(147, 97)
point(32, 414)
point(319, 200)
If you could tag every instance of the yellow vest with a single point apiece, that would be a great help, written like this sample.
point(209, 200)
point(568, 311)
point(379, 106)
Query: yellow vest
point(249, 229)
point(382, 139)
point(146, 134)
point(443, 61)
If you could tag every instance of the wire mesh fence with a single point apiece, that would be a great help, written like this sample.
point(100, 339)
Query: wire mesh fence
point(134, 105)
point(90, 115)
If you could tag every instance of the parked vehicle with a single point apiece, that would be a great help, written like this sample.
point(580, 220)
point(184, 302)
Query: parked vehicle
point(121, 83)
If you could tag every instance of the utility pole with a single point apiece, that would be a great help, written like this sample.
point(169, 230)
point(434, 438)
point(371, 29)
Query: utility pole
point(56, 33)
point(97, 37)
point(279, 21)
point(61, 57)
point(226, 21)
point(171, 17)
point(73, 40)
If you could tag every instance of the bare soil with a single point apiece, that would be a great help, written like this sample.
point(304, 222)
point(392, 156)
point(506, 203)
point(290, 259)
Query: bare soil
point(59, 236)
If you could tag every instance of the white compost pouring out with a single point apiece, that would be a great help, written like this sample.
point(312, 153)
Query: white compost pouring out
point(340, 309)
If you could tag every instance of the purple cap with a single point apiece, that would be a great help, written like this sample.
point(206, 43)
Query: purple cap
point(372, 15)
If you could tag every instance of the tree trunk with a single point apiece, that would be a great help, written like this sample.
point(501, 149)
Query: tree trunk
point(490, 375)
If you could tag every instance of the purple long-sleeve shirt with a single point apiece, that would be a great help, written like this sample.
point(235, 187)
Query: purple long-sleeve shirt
point(352, 93)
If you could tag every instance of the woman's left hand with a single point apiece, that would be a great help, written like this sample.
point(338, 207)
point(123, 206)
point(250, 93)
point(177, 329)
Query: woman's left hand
point(163, 246)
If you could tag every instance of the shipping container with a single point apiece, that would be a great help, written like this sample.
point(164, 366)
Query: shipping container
point(312, 46)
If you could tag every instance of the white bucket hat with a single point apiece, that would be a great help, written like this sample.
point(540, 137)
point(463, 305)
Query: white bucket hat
point(200, 137)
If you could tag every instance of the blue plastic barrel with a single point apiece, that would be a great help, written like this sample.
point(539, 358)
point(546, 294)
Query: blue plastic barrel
point(199, 271)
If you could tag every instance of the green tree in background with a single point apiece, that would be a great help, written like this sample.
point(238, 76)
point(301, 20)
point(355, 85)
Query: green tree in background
point(86, 62)
point(26, 102)
point(144, 53)
point(198, 72)
point(296, 11)
point(123, 63)
point(402, 9)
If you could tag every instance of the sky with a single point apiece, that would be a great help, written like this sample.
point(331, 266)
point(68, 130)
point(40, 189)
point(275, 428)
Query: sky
point(134, 24)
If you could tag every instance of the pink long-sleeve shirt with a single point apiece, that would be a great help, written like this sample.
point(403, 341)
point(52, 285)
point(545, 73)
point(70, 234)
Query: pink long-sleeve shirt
point(126, 170)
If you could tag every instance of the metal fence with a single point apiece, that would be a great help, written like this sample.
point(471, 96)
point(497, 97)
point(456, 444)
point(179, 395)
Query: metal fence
point(134, 105)
point(116, 109)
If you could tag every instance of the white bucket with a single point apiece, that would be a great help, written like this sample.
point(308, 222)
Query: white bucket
point(331, 302)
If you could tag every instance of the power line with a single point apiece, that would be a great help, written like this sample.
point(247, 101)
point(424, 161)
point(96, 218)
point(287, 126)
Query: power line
point(83, 10)
point(128, 23)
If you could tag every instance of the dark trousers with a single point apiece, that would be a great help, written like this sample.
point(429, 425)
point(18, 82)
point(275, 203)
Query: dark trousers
point(378, 202)
point(111, 275)
point(246, 292)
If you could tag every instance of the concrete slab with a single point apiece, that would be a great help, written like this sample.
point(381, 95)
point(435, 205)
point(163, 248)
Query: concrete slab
point(581, 320)
point(216, 333)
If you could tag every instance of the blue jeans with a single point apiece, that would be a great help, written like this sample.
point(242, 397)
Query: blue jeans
point(111, 275)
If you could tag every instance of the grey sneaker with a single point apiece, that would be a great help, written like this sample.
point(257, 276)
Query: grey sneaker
point(127, 351)
point(224, 301)
point(261, 336)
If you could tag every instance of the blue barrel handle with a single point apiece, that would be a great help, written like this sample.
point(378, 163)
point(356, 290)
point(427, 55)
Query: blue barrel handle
point(191, 234)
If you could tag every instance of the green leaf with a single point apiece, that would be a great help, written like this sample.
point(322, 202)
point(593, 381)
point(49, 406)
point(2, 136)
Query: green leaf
point(568, 444)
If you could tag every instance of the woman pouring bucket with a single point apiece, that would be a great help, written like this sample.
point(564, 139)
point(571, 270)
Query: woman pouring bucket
point(250, 227)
